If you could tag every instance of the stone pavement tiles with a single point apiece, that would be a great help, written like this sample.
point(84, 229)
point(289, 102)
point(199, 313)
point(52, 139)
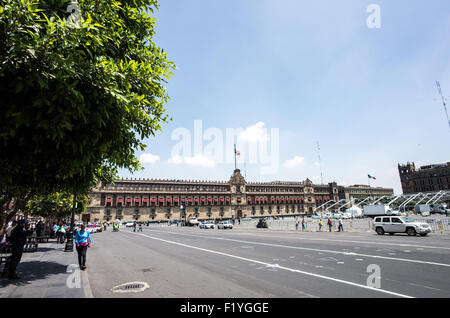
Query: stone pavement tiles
point(48, 273)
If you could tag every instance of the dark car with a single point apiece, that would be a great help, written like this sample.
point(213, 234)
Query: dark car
point(262, 224)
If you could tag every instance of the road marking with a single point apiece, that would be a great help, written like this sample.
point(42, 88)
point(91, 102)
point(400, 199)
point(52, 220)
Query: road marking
point(275, 266)
point(312, 249)
point(348, 241)
point(427, 287)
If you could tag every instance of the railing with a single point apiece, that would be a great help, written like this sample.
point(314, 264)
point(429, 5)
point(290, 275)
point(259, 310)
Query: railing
point(438, 225)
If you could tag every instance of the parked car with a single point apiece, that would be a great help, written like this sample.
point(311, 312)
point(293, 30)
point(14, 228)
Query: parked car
point(225, 225)
point(129, 224)
point(206, 225)
point(400, 224)
point(262, 224)
point(193, 221)
point(91, 228)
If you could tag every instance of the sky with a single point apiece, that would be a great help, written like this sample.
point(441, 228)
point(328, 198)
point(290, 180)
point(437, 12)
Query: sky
point(291, 74)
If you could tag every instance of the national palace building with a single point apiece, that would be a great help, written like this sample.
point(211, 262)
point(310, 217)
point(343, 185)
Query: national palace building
point(164, 200)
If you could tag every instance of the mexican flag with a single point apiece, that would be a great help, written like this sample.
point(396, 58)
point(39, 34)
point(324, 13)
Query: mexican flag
point(371, 177)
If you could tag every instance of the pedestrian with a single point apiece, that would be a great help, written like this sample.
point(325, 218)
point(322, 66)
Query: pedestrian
point(55, 227)
point(140, 227)
point(296, 224)
point(18, 239)
point(9, 229)
point(303, 224)
point(341, 225)
point(330, 224)
point(82, 241)
point(134, 226)
point(39, 228)
point(320, 225)
point(104, 226)
point(59, 233)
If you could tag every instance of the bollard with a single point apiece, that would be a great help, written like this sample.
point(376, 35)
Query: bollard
point(440, 225)
point(351, 226)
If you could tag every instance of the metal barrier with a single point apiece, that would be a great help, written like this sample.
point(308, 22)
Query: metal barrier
point(438, 226)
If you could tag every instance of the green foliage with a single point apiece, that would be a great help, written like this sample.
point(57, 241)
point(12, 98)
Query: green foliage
point(56, 205)
point(77, 99)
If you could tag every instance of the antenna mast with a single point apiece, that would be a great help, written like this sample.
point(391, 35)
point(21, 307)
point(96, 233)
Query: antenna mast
point(443, 101)
point(320, 164)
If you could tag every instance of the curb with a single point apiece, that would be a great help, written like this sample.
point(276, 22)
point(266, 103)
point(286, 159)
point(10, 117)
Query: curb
point(86, 286)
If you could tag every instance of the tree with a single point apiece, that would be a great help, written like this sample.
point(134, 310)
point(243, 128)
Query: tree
point(79, 91)
point(55, 206)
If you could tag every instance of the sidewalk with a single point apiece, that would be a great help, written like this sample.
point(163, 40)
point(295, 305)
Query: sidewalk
point(46, 273)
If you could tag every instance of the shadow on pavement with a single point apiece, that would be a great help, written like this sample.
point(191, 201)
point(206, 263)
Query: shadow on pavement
point(34, 270)
point(45, 249)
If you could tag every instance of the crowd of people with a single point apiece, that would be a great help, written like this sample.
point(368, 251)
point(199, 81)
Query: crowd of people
point(320, 224)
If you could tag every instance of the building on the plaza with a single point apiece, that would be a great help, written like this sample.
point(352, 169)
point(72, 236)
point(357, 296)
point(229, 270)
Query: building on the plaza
point(163, 200)
point(430, 178)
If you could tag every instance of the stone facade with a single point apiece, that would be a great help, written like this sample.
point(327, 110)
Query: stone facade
point(163, 200)
point(430, 178)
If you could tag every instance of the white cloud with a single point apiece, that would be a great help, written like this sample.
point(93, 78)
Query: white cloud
point(254, 133)
point(148, 158)
point(198, 160)
point(294, 162)
point(176, 159)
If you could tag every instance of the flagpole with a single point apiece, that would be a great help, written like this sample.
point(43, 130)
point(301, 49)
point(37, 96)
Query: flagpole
point(235, 157)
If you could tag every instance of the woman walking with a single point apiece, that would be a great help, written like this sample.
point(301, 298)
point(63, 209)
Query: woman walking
point(83, 241)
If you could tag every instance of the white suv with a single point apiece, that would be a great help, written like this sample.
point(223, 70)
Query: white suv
point(225, 225)
point(400, 224)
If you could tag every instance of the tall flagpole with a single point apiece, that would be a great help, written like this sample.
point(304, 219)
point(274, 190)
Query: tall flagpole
point(235, 157)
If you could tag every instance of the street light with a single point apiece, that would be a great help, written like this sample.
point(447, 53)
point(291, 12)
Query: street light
point(69, 243)
point(183, 211)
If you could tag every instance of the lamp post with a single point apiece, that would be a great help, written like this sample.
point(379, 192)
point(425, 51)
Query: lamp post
point(69, 243)
point(183, 209)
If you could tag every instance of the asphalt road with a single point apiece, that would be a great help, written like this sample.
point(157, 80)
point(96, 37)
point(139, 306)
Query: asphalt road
point(192, 262)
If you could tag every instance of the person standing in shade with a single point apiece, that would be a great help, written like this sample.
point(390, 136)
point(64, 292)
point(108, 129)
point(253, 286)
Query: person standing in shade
point(18, 239)
point(341, 225)
point(82, 241)
point(330, 224)
point(296, 224)
point(303, 224)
